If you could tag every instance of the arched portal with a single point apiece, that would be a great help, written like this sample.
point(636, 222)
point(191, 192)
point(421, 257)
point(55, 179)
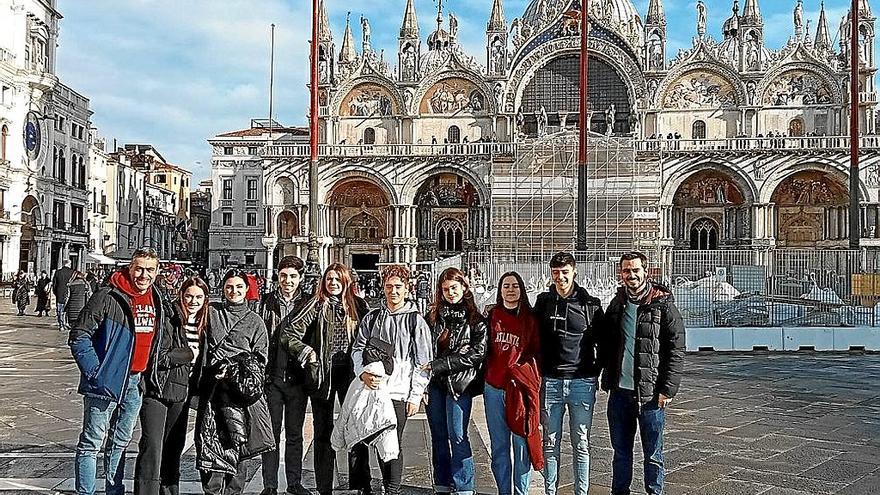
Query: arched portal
point(555, 87)
point(711, 211)
point(359, 215)
point(284, 192)
point(288, 225)
point(812, 210)
point(447, 214)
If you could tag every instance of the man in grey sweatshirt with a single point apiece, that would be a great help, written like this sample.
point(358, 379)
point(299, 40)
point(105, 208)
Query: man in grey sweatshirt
point(398, 323)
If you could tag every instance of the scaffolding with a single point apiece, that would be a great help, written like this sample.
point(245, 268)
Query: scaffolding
point(534, 197)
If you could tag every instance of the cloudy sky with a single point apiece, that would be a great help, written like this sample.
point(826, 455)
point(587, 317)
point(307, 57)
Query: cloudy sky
point(173, 77)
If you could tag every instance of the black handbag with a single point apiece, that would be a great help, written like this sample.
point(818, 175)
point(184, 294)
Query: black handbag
point(377, 350)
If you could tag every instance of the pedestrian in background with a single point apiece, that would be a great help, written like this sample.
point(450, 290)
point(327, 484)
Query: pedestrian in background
point(78, 294)
point(42, 293)
point(59, 289)
point(165, 409)
point(21, 292)
point(513, 348)
point(459, 334)
point(321, 339)
point(112, 357)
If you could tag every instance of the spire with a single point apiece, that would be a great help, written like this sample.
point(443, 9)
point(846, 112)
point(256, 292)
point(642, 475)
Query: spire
point(324, 33)
point(823, 39)
point(410, 26)
point(751, 12)
point(864, 8)
point(655, 13)
point(347, 52)
point(496, 18)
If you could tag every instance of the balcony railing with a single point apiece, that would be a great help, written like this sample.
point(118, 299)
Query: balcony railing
point(4, 215)
point(868, 97)
point(349, 150)
point(769, 144)
point(226, 203)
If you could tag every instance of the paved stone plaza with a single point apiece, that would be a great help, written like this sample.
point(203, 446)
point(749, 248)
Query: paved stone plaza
point(742, 424)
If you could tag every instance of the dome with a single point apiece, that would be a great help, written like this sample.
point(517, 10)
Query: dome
point(620, 16)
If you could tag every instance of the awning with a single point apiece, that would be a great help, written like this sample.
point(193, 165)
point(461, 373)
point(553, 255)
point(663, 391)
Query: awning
point(99, 259)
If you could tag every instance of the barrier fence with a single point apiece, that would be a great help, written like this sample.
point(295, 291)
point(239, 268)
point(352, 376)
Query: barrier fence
point(730, 288)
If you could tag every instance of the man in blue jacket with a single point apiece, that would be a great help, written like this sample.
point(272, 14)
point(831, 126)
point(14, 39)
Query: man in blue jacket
point(113, 343)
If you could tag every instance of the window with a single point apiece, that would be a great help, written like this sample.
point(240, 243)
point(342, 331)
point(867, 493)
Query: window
point(449, 235)
point(704, 235)
point(227, 150)
point(227, 189)
point(175, 181)
point(252, 189)
point(249, 259)
point(82, 173)
point(6, 96)
point(58, 213)
point(227, 218)
point(796, 128)
point(698, 131)
point(252, 219)
point(62, 166)
point(369, 135)
point(252, 150)
point(159, 179)
point(454, 135)
point(76, 218)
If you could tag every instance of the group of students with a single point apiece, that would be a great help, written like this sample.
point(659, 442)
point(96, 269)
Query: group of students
point(251, 375)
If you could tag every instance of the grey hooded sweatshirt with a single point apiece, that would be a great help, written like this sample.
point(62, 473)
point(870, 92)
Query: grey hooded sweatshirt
point(410, 338)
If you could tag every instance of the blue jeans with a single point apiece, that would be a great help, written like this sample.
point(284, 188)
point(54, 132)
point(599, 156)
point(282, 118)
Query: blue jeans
point(106, 419)
point(623, 413)
point(448, 421)
point(506, 470)
point(59, 314)
point(579, 394)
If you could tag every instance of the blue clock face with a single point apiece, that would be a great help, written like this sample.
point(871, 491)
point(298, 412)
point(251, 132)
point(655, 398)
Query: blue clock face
point(31, 136)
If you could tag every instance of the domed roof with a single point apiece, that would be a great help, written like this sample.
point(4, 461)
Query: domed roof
point(621, 11)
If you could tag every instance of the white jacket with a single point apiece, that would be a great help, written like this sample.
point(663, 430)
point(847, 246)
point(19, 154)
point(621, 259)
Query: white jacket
point(366, 413)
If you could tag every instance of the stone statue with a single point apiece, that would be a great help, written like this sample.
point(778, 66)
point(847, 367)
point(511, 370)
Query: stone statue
point(542, 121)
point(610, 115)
point(563, 118)
point(515, 30)
point(365, 28)
point(499, 94)
point(498, 56)
point(701, 18)
point(453, 26)
point(799, 18)
point(409, 64)
point(520, 122)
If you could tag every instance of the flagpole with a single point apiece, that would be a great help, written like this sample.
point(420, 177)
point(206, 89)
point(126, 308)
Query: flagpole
point(313, 258)
point(584, 130)
point(854, 206)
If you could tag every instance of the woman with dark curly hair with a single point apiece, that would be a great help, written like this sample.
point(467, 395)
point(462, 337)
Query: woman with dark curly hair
point(459, 351)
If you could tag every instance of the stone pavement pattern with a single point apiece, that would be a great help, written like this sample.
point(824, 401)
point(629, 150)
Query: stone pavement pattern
point(742, 424)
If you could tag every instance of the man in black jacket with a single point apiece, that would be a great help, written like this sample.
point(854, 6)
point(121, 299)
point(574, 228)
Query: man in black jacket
point(643, 357)
point(569, 319)
point(59, 289)
point(284, 390)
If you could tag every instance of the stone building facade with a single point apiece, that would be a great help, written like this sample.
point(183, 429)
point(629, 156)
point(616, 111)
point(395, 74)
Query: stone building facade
point(730, 143)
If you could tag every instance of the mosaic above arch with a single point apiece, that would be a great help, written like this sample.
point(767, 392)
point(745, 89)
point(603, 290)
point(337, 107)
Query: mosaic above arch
point(368, 100)
point(453, 95)
point(700, 89)
point(797, 88)
point(709, 188)
point(358, 193)
point(447, 190)
point(811, 188)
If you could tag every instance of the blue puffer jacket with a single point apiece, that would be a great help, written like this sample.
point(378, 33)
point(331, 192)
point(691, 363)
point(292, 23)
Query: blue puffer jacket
point(102, 343)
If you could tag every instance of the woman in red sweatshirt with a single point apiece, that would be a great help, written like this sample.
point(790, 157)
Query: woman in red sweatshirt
point(513, 340)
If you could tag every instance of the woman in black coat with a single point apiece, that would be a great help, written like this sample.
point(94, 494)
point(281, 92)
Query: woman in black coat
point(43, 292)
point(321, 338)
point(165, 409)
point(233, 423)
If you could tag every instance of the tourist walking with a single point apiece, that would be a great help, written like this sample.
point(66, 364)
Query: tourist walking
point(644, 349)
point(398, 332)
point(569, 320)
point(42, 292)
point(21, 292)
point(232, 421)
point(165, 410)
point(284, 379)
point(513, 347)
point(320, 338)
point(78, 293)
point(59, 289)
point(112, 357)
point(459, 335)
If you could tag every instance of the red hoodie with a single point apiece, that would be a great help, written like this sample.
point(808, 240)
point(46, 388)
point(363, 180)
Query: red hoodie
point(144, 320)
point(513, 338)
point(253, 290)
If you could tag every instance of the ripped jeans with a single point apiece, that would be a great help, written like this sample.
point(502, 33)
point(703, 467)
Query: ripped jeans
point(579, 394)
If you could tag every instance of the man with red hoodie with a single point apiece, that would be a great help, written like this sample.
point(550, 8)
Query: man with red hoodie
point(114, 345)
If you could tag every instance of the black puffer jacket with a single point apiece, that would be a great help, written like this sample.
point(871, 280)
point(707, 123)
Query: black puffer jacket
point(459, 372)
point(171, 375)
point(282, 367)
point(570, 329)
point(659, 346)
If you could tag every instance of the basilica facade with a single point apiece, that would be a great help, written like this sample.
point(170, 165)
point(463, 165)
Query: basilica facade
point(730, 144)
